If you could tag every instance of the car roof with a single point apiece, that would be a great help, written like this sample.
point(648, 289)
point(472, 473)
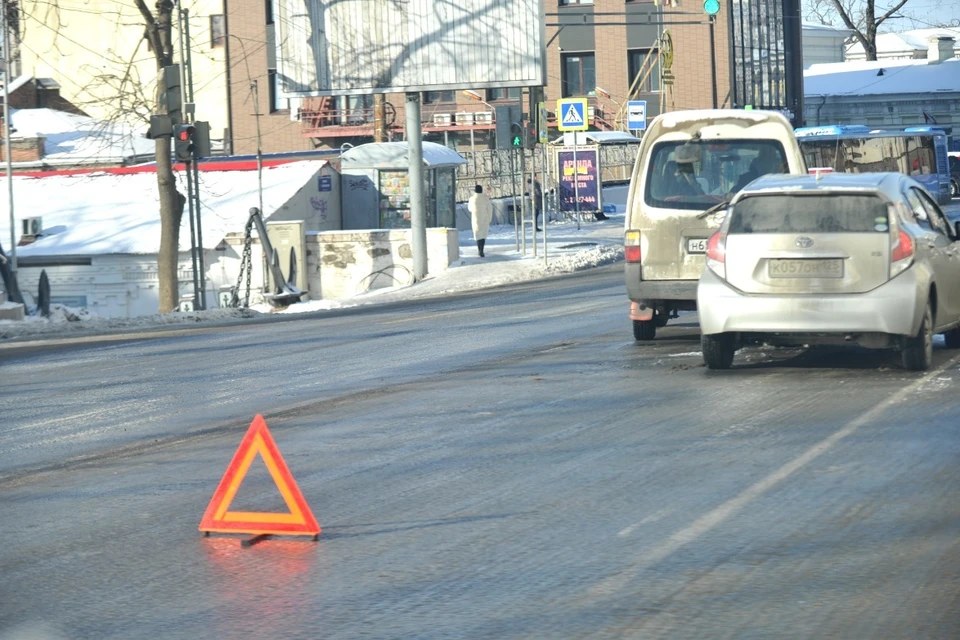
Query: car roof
point(889, 183)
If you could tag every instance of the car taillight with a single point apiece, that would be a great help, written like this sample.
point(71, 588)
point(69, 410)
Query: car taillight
point(631, 246)
point(717, 254)
point(903, 249)
point(717, 247)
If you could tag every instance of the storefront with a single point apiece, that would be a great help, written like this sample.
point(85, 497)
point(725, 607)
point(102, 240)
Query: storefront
point(376, 185)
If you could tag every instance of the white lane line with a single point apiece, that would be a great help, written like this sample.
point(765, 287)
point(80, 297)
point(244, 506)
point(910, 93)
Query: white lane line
point(728, 509)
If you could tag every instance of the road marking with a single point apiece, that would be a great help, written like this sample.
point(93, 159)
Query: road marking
point(731, 507)
point(429, 316)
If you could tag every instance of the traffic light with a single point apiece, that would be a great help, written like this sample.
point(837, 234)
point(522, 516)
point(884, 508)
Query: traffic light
point(516, 135)
point(711, 7)
point(183, 141)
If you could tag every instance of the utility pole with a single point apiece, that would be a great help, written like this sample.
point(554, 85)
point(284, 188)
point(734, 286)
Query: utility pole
point(6, 137)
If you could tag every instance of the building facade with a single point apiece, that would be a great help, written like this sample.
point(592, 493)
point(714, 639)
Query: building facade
point(627, 49)
point(96, 53)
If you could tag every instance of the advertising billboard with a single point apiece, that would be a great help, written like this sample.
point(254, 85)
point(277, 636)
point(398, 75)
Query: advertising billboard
point(582, 179)
point(350, 47)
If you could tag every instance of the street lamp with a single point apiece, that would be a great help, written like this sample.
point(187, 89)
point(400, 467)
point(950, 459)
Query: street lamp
point(473, 95)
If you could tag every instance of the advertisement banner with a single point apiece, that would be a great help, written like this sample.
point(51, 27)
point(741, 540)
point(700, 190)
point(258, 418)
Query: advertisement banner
point(586, 177)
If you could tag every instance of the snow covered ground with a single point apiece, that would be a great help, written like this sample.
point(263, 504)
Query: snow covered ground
point(569, 249)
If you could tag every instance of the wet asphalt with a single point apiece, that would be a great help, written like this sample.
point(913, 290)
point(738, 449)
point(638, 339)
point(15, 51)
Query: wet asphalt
point(506, 464)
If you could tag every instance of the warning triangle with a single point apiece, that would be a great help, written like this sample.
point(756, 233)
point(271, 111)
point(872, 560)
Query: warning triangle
point(218, 518)
point(572, 116)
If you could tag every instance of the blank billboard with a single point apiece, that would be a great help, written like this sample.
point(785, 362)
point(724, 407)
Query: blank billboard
point(346, 47)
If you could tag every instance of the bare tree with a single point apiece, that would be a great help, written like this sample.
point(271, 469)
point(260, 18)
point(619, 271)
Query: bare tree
point(864, 17)
point(159, 33)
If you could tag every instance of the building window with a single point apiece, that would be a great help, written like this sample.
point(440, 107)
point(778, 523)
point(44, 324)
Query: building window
point(504, 94)
point(218, 31)
point(273, 91)
point(635, 61)
point(434, 97)
point(579, 74)
point(268, 7)
point(566, 3)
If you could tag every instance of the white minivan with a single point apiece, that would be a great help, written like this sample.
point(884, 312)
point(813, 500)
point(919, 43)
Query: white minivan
point(689, 167)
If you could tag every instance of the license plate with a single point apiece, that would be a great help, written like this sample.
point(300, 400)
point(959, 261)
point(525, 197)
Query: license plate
point(696, 245)
point(806, 268)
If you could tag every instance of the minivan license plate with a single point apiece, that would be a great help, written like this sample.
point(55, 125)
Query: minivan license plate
point(805, 268)
point(696, 245)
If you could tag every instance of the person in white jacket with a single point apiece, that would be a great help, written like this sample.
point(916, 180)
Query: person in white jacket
point(481, 211)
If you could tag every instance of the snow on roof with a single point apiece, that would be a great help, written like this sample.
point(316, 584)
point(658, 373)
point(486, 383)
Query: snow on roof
point(814, 26)
point(394, 155)
point(107, 213)
point(79, 139)
point(899, 76)
point(905, 41)
point(601, 137)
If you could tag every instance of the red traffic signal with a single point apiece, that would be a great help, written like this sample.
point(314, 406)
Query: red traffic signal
point(185, 132)
point(183, 142)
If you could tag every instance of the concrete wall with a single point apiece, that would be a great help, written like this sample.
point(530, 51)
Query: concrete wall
point(353, 262)
point(320, 210)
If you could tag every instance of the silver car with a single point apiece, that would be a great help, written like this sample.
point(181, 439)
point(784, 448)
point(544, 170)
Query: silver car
point(867, 259)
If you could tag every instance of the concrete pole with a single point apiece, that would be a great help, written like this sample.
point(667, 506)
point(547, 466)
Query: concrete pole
point(6, 138)
point(418, 213)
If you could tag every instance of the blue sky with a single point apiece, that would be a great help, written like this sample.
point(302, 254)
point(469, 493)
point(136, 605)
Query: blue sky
point(926, 13)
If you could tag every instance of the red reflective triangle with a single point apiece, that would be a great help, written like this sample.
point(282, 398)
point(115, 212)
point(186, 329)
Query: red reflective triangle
point(218, 518)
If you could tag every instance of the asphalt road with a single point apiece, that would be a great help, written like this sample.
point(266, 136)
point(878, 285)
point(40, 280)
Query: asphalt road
point(500, 465)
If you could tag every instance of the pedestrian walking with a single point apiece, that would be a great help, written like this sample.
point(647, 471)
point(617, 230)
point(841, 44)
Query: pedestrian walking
point(537, 201)
point(481, 211)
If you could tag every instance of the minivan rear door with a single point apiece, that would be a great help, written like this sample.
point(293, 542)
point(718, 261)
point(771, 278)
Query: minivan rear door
point(809, 243)
point(685, 177)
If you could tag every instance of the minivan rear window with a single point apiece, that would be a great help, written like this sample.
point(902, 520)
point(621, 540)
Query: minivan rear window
point(719, 169)
point(821, 213)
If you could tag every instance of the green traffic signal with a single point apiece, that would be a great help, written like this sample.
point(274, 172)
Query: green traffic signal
point(711, 7)
point(517, 141)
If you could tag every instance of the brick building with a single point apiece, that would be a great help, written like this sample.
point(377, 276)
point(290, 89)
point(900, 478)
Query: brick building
point(591, 43)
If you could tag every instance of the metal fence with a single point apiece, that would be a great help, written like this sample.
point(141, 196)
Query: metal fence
point(491, 168)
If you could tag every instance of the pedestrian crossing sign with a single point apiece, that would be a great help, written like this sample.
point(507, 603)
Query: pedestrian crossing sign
point(572, 114)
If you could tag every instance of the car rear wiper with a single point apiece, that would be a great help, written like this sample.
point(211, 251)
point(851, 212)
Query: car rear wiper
point(716, 207)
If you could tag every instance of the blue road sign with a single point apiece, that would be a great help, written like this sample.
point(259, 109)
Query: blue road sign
point(572, 114)
point(636, 115)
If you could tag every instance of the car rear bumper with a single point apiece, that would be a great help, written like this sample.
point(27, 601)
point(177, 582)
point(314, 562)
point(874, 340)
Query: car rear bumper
point(645, 291)
point(893, 308)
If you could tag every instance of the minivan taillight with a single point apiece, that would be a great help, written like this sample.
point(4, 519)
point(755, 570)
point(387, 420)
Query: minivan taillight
point(717, 253)
point(631, 246)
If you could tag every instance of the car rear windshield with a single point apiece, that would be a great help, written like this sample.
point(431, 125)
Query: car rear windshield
point(822, 213)
point(709, 171)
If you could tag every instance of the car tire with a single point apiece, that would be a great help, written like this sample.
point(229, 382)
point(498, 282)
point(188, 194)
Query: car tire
point(718, 350)
point(917, 352)
point(952, 338)
point(644, 329)
point(954, 188)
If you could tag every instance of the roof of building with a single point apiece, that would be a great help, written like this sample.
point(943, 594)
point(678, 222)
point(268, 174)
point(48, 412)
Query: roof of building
point(600, 137)
point(905, 41)
point(105, 212)
point(861, 78)
point(395, 156)
point(815, 26)
point(74, 139)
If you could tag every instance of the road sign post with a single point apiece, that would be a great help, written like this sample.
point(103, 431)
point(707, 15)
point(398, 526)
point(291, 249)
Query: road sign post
point(572, 116)
point(637, 115)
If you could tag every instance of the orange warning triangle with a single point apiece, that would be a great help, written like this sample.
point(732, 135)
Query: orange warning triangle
point(299, 521)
